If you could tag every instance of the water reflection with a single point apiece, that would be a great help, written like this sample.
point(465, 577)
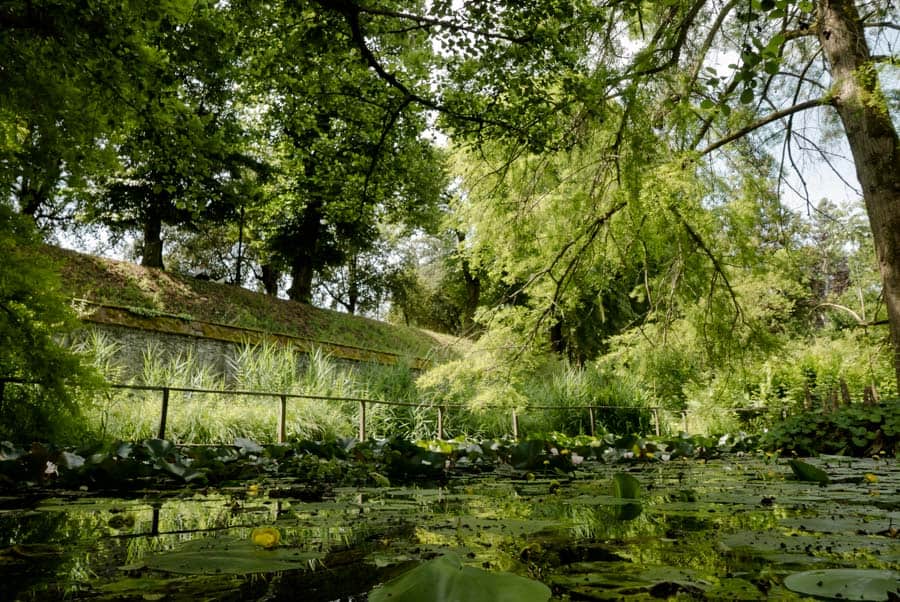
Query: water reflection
point(718, 530)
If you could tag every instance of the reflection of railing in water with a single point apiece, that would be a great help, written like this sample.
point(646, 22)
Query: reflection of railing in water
point(441, 409)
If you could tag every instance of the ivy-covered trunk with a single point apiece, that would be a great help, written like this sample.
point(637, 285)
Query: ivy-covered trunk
point(873, 141)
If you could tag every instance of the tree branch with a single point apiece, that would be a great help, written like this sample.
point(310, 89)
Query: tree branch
point(856, 316)
point(803, 106)
point(883, 24)
point(675, 49)
point(351, 13)
point(422, 21)
point(707, 43)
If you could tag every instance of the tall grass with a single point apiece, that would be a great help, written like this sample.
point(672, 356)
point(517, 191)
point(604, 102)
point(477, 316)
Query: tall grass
point(272, 368)
point(220, 417)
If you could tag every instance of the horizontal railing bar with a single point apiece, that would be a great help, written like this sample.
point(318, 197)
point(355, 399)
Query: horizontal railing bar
point(362, 399)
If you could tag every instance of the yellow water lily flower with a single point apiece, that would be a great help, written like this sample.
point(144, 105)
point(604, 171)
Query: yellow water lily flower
point(266, 537)
point(870, 478)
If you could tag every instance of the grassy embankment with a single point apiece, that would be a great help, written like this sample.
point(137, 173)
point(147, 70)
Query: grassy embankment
point(125, 294)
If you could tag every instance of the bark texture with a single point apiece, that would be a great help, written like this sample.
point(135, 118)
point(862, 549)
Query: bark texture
point(873, 141)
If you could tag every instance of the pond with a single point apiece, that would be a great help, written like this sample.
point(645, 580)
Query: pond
point(735, 527)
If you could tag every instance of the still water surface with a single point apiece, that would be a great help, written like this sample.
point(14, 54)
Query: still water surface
point(725, 529)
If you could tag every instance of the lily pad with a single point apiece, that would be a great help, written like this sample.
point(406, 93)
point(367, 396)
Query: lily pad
point(626, 486)
point(447, 579)
point(846, 584)
point(221, 555)
point(808, 472)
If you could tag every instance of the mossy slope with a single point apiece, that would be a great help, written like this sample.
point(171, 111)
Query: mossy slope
point(150, 293)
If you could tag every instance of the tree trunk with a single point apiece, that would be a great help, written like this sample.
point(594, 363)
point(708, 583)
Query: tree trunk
point(270, 278)
point(306, 246)
point(152, 247)
point(352, 284)
point(473, 291)
point(873, 141)
point(42, 172)
point(301, 281)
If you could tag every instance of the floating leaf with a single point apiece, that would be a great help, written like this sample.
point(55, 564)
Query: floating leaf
point(846, 584)
point(808, 472)
point(447, 579)
point(626, 486)
point(221, 555)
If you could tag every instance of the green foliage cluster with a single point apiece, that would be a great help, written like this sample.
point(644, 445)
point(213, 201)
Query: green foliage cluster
point(583, 219)
point(857, 430)
point(33, 312)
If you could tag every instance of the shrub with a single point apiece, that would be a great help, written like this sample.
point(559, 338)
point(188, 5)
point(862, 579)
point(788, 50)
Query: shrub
point(33, 314)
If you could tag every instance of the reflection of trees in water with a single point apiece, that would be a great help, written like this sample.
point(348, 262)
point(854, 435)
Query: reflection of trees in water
point(28, 559)
point(525, 523)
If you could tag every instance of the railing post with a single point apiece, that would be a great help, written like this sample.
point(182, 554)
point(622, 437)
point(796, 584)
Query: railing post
point(591, 418)
point(656, 420)
point(362, 420)
point(684, 421)
point(515, 424)
point(440, 422)
point(163, 413)
point(282, 419)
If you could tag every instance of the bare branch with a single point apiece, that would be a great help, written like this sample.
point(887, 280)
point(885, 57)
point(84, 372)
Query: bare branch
point(825, 157)
point(883, 25)
point(856, 316)
point(790, 128)
point(803, 106)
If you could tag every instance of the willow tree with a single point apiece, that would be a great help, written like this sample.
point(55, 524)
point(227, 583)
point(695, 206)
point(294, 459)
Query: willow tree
point(532, 74)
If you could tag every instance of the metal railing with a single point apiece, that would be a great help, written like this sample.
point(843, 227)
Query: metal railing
point(440, 409)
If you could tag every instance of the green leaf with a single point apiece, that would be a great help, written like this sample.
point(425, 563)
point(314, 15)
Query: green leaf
point(626, 486)
point(775, 43)
point(747, 96)
point(707, 104)
point(846, 584)
point(446, 579)
point(808, 472)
